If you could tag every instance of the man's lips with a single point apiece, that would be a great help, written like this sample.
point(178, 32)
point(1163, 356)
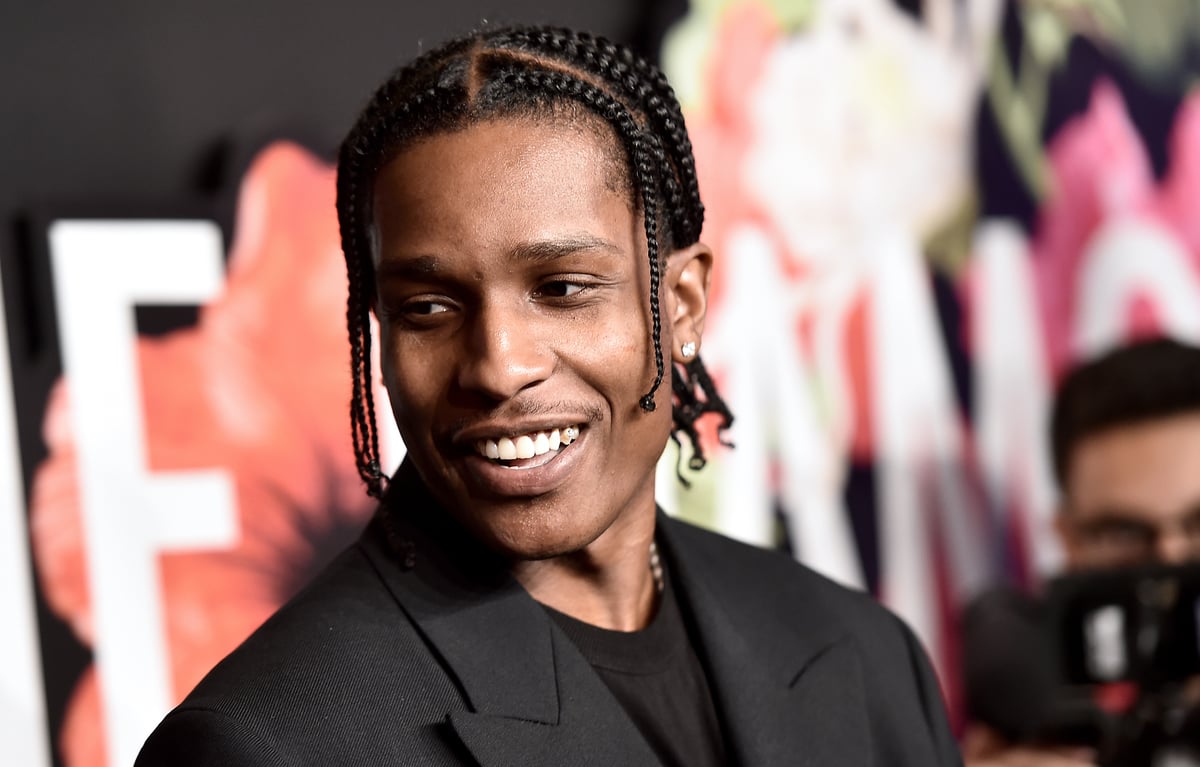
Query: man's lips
point(528, 445)
point(527, 475)
point(473, 437)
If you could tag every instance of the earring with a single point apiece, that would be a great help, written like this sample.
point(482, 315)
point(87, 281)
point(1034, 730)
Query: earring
point(688, 350)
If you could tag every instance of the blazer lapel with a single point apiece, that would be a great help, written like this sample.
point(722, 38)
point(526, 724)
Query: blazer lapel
point(592, 729)
point(532, 697)
point(788, 693)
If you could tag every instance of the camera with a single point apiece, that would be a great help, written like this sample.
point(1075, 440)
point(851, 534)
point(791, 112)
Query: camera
point(1108, 659)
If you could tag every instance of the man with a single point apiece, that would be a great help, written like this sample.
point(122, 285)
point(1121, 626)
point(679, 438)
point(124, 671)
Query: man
point(1125, 437)
point(519, 210)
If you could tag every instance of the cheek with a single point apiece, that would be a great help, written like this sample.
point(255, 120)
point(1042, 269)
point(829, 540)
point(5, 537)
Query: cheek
point(623, 370)
point(614, 352)
point(410, 374)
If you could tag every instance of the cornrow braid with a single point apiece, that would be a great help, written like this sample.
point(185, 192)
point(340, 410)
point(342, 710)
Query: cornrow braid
point(654, 96)
point(358, 322)
point(689, 407)
point(646, 163)
point(360, 159)
point(524, 72)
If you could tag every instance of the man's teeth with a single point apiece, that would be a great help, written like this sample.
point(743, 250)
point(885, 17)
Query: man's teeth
point(527, 445)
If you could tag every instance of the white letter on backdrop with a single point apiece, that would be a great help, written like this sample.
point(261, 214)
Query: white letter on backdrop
point(1012, 393)
point(1013, 385)
point(102, 269)
point(1126, 256)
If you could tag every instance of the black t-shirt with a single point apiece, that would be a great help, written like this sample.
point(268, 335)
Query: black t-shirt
point(657, 677)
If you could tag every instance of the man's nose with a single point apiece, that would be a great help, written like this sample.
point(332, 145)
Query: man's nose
point(504, 353)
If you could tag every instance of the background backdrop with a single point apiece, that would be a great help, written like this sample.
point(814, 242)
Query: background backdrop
point(923, 211)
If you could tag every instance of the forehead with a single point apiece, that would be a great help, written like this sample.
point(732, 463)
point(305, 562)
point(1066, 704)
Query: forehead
point(571, 137)
point(500, 184)
point(1149, 469)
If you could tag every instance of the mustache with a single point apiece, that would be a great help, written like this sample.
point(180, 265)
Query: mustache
point(528, 409)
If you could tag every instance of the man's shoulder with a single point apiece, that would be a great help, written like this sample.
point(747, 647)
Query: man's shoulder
point(772, 580)
point(789, 613)
point(789, 603)
point(345, 618)
point(333, 668)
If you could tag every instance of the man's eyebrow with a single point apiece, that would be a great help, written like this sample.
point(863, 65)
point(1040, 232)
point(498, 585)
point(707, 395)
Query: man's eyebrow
point(551, 249)
point(420, 266)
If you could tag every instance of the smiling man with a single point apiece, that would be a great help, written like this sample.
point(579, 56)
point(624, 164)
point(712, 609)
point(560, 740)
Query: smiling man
point(519, 210)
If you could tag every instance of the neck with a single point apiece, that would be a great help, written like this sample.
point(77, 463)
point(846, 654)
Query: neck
point(608, 583)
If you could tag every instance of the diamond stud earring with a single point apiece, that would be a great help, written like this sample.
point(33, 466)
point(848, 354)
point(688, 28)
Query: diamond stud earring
point(688, 350)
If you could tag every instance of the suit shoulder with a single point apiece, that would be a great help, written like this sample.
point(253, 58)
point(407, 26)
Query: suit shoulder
point(340, 669)
point(789, 605)
point(345, 602)
point(199, 737)
point(762, 574)
point(343, 640)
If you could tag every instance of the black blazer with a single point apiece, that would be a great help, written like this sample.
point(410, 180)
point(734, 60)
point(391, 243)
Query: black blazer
point(415, 647)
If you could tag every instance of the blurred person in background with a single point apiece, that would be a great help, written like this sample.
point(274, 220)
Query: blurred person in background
point(1125, 438)
point(1126, 448)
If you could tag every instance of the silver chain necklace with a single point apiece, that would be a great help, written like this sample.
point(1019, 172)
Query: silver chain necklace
point(656, 568)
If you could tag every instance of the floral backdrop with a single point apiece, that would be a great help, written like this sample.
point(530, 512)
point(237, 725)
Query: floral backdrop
point(923, 215)
point(923, 212)
point(235, 393)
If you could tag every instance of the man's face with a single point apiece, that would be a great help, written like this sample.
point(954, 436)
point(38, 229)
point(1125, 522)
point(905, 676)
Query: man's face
point(1132, 495)
point(513, 303)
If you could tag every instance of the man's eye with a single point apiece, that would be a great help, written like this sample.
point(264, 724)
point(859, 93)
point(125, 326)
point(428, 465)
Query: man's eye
point(560, 289)
point(418, 311)
point(424, 308)
point(1122, 535)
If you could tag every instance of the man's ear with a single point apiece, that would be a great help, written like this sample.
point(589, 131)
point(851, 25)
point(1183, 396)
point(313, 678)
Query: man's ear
point(689, 271)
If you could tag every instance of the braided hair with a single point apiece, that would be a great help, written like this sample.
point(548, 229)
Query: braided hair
point(526, 72)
